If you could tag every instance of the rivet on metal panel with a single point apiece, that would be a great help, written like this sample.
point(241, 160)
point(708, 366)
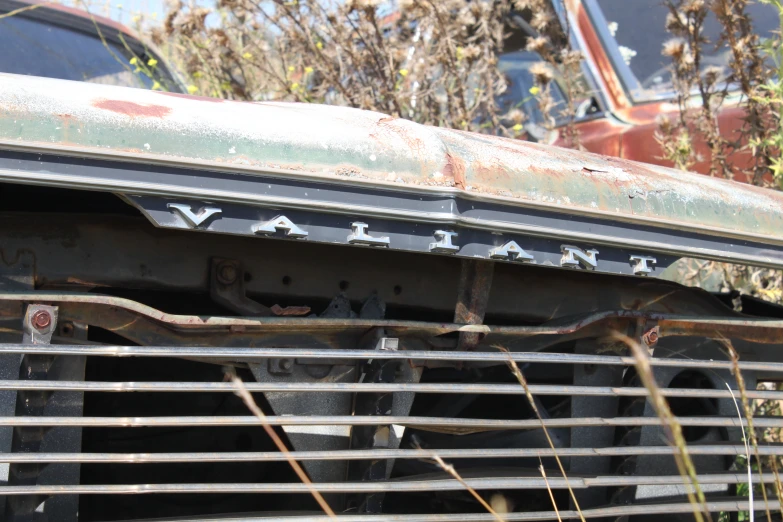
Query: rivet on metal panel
point(67, 329)
point(227, 272)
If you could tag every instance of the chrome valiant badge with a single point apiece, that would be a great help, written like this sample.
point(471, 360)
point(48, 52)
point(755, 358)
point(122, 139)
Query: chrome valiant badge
point(471, 242)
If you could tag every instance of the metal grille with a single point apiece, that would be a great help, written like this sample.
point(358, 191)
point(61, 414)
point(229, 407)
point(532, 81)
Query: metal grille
point(484, 482)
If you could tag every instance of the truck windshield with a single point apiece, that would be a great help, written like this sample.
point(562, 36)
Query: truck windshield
point(634, 34)
point(36, 48)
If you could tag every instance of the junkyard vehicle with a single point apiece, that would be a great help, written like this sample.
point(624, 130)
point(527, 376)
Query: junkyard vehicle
point(629, 80)
point(363, 276)
point(46, 39)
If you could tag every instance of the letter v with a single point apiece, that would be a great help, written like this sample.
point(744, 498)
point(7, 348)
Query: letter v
point(194, 220)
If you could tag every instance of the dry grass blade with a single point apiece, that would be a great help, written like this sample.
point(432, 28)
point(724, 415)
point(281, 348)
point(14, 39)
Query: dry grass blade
point(778, 486)
point(682, 458)
point(448, 468)
point(23, 9)
point(735, 370)
point(521, 378)
point(747, 456)
point(245, 395)
point(551, 495)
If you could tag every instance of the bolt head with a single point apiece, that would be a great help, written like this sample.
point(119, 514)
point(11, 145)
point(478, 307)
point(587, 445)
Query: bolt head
point(41, 319)
point(285, 364)
point(650, 337)
point(227, 273)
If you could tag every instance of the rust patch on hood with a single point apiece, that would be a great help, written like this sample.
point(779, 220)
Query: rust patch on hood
point(455, 168)
point(132, 109)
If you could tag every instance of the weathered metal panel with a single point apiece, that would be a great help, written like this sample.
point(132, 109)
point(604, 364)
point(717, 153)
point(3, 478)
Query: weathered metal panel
point(335, 143)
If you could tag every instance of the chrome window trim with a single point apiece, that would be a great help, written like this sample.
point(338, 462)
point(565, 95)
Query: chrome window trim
point(588, 66)
point(627, 78)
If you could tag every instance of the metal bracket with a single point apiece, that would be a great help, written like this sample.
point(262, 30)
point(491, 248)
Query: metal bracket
point(475, 283)
point(227, 288)
point(586, 406)
point(368, 437)
point(38, 326)
point(40, 322)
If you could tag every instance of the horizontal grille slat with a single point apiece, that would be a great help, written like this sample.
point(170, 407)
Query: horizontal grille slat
point(613, 451)
point(265, 353)
point(368, 420)
point(533, 482)
point(531, 516)
point(492, 389)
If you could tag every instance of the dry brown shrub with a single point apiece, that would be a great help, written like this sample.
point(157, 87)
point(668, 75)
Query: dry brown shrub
point(753, 153)
point(434, 62)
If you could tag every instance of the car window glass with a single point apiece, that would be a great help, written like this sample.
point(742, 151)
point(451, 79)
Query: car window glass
point(521, 93)
point(519, 81)
point(38, 49)
point(638, 30)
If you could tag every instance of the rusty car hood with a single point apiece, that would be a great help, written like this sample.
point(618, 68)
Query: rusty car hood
point(362, 148)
